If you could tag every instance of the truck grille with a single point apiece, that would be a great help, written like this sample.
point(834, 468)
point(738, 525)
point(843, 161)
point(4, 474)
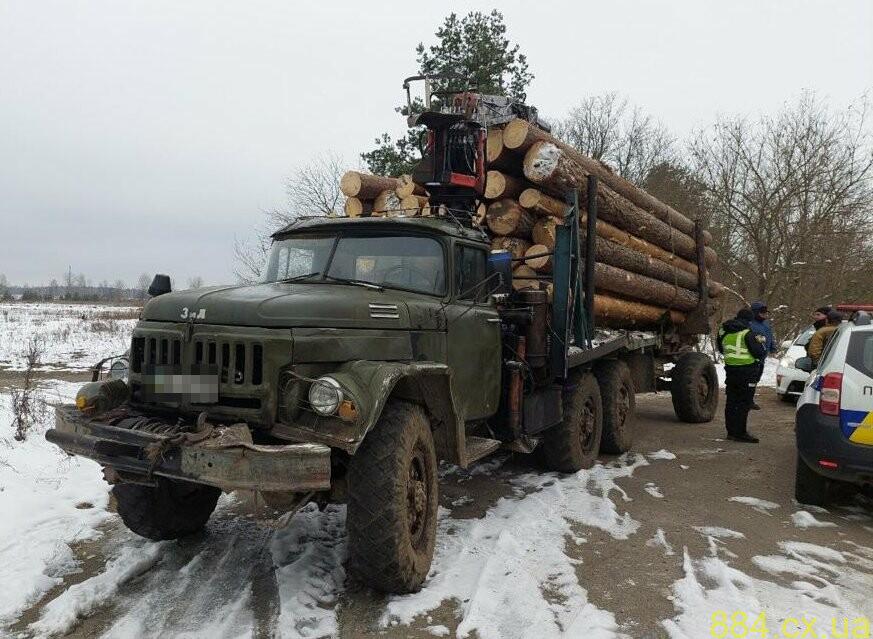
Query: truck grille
point(238, 362)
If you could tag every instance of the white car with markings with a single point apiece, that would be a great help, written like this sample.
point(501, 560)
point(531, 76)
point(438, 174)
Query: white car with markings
point(789, 378)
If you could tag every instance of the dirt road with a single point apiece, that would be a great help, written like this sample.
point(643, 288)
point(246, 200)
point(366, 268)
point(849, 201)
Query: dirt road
point(644, 546)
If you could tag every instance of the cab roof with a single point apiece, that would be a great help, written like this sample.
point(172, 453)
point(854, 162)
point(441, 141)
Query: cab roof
point(441, 225)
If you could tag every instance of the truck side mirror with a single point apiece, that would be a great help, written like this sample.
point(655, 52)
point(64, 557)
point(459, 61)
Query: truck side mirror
point(500, 272)
point(804, 364)
point(160, 285)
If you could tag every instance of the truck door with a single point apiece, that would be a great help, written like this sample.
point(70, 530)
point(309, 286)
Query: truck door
point(473, 335)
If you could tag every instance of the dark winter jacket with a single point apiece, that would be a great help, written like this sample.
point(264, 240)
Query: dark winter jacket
point(763, 327)
point(754, 340)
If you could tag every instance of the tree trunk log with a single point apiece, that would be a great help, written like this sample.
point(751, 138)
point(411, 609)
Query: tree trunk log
point(618, 313)
point(406, 187)
point(365, 186)
point(355, 207)
point(549, 166)
point(630, 260)
point(515, 245)
point(387, 202)
point(506, 217)
point(524, 277)
point(498, 156)
point(536, 257)
point(544, 231)
point(542, 204)
point(642, 288)
point(520, 135)
point(412, 204)
point(501, 185)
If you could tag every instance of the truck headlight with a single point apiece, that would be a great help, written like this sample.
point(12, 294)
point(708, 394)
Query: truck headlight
point(325, 395)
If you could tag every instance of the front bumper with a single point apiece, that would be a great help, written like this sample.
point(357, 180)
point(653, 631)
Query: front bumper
point(790, 380)
point(292, 467)
point(819, 437)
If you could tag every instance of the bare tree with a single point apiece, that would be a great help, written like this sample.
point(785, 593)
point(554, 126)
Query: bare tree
point(312, 189)
point(28, 406)
point(792, 198)
point(195, 282)
point(607, 128)
point(4, 287)
point(142, 285)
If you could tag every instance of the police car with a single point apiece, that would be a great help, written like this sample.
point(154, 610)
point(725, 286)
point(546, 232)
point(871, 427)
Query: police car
point(790, 380)
point(834, 419)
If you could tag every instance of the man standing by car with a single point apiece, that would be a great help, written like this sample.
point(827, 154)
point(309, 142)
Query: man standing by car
point(761, 325)
point(820, 316)
point(818, 341)
point(743, 351)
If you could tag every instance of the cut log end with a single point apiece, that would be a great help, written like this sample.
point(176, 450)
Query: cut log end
point(539, 258)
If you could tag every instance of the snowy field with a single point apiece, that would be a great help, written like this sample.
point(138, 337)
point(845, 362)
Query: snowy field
point(516, 555)
point(72, 336)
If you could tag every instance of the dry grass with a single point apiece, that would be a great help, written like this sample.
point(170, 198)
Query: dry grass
point(28, 406)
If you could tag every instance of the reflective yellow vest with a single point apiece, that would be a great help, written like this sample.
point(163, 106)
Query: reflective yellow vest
point(736, 353)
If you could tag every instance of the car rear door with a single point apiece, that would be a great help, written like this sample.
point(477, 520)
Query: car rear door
point(856, 405)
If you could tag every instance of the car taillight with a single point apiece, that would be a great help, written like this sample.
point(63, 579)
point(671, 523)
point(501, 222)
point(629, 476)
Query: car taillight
point(829, 402)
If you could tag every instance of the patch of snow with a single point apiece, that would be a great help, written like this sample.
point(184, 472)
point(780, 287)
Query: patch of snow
point(761, 505)
point(509, 569)
point(462, 501)
point(544, 163)
point(73, 336)
point(659, 540)
point(821, 591)
point(49, 501)
point(60, 614)
point(438, 631)
point(719, 532)
point(804, 519)
point(308, 555)
point(684, 467)
point(661, 454)
point(654, 491)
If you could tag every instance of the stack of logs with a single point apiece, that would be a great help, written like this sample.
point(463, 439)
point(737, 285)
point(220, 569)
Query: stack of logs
point(645, 253)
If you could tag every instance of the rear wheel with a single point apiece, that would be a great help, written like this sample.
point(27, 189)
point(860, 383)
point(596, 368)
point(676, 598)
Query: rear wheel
point(810, 487)
point(393, 497)
point(619, 405)
point(573, 444)
point(694, 388)
point(169, 510)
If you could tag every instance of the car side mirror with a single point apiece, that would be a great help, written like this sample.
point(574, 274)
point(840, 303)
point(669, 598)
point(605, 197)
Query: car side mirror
point(160, 285)
point(500, 272)
point(804, 363)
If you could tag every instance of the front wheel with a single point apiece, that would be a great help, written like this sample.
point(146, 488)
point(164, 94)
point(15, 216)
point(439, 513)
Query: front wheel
point(168, 510)
point(573, 444)
point(694, 388)
point(393, 497)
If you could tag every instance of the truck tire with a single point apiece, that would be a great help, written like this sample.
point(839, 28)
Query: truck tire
point(393, 498)
point(810, 487)
point(573, 444)
point(694, 388)
point(170, 510)
point(619, 406)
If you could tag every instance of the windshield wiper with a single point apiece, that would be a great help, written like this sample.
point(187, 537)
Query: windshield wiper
point(297, 278)
point(346, 280)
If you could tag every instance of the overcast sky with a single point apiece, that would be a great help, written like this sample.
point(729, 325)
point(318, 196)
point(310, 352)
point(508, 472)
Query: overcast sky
point(147, 136)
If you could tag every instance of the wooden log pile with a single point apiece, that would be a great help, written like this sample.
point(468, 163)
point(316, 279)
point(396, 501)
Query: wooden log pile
point(645, 253)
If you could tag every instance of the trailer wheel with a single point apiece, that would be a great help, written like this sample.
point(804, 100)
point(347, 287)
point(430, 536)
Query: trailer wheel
point(169, 510)
point(619, 405)
point(694, 388)
point(393, 497)
point(573, 444)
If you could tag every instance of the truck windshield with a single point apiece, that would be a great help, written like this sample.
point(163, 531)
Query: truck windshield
point(409, 262)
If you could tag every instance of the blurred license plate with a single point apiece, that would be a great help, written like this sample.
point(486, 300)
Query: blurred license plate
point(196, 388)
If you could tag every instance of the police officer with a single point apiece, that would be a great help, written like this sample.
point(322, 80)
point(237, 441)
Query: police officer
point(761, 325)
point(743, 351)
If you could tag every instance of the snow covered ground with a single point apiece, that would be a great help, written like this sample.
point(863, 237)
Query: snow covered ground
point(516, 564)
point(72, 336)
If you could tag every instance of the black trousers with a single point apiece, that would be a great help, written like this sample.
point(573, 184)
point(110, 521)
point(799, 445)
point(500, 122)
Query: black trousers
point(740, 387)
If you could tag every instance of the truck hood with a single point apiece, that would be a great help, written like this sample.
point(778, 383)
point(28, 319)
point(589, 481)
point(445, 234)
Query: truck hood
point(287, 305)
